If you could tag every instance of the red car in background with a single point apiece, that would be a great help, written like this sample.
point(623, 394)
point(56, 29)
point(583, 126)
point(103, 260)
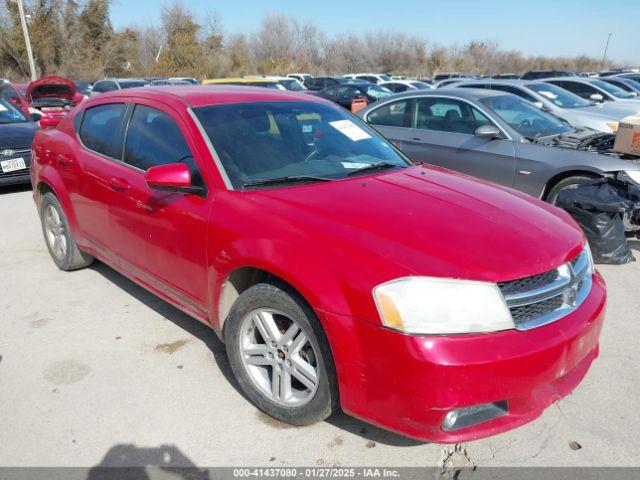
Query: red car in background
point(337, 272)
point(53, 96)
point(15, 93)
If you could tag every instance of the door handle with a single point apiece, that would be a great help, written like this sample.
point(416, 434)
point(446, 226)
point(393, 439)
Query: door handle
point(119, 184)
point(417, 140)
point(64, 160)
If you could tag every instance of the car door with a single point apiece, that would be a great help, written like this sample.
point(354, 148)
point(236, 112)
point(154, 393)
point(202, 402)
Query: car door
point(89, 172)
point(161, 235)
point(443, 133)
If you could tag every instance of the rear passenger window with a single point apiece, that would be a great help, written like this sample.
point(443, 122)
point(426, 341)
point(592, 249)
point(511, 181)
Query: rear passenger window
point(153, 139)
point(101, 129)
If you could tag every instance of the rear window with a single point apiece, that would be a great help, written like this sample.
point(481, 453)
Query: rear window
point(132, 84)
point(101, 129)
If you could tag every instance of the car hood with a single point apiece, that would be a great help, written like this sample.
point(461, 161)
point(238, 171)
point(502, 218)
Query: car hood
point(430, 221)
point(51, 87)
point(608, 111)
point(17, 136)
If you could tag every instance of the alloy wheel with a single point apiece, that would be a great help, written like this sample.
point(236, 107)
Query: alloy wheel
point(278, 357)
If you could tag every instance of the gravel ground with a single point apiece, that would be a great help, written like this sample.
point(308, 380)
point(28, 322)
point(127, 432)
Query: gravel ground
point(94, 370)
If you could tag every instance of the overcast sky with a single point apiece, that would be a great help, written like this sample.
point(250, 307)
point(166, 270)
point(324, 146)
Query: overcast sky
point(540, 27)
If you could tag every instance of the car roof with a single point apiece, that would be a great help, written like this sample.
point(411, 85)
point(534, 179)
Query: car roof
point(464, 93)
point(202, 95)
point(239, 80)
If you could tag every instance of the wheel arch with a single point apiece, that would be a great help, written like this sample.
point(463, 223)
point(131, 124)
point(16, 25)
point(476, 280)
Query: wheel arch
point(553, 181)
point(49, 181)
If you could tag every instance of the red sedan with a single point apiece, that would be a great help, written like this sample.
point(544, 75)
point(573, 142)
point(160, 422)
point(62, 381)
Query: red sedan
point(338, 273)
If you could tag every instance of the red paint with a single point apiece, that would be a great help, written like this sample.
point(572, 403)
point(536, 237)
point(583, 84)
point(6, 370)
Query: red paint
point(334, 242)
point(66, 89)
point(174, 175)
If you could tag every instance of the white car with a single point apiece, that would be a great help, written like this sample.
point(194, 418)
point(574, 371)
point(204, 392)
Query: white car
point(369, 77)
point(597, 90)
point(571, 108)
point(399, 86)
point(301, 77)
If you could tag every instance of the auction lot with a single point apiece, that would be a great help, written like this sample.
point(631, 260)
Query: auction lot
point(94, 370)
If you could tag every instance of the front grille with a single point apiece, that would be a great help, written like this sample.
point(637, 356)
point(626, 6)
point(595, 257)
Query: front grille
point(526, 313)
point(544, 298)
point(528, 283)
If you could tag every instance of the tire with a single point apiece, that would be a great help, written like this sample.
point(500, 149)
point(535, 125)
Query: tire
point(266, 305)
point(566, 184)
point(57, 235)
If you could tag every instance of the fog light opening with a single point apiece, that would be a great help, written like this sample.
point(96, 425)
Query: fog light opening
point(470, 416)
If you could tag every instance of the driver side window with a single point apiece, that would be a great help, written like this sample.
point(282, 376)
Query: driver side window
point(154, 138)
point(448, 115)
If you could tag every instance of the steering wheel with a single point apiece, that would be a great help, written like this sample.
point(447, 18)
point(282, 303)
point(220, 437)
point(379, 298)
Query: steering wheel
point(311, 155)
point(524, 125)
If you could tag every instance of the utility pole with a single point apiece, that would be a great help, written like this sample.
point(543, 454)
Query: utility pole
point(606, 47)
point(27, 41)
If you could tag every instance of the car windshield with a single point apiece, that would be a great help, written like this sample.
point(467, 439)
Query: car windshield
point(420, 85)
point(274, 85)
point(130, 84)
point(524, 117)
point(385, 78)
point(10, 114)
point(559, 96)
point(376, 91)
point(306, 141)
point(611, 89)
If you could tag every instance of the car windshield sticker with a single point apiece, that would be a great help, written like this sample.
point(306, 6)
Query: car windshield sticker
point(307, 128)
point(354, 164)
point(350, 129)
point(547, 94)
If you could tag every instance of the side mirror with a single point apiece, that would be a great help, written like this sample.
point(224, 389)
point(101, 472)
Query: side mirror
point(36, 117)
point(49, 122)
point(489, 132)
point(173, 177)
point(596, 97)
point(539, 105)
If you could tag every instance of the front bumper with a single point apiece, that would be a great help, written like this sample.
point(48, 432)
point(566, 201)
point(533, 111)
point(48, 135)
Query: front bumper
point(19, 176)
point(408, 383)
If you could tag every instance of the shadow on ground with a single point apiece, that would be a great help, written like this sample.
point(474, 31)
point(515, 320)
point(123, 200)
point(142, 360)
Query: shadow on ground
point(128, 462)
point(9, 189)
point(215, 345)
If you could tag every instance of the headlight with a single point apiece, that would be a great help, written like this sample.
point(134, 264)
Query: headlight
point(634, 175)
point(613, 126)
point(425, 305)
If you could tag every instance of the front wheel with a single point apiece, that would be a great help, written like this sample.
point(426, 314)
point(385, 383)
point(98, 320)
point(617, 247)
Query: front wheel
point(568, 183)
point(280, 355)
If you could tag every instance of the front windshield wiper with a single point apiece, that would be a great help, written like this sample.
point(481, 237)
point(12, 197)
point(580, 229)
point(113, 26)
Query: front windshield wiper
point(287, 179)
point(373, 166)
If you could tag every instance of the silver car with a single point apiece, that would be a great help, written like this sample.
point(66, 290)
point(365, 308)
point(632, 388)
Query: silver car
point(597, 90)
point(574, 110)
point(498, 137)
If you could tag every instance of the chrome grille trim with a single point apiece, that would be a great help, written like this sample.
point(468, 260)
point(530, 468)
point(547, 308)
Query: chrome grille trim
point(560, 296)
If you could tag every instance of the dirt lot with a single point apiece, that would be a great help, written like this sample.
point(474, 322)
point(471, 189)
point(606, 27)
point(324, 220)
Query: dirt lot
point(94, 370)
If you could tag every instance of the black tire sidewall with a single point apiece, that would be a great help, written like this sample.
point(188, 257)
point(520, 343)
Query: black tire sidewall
point(282, 298)
point(552, 197)
point(50, 199)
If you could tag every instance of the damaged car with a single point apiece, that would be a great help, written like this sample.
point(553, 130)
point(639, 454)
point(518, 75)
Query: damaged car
point(499, 137)
point(53, 96)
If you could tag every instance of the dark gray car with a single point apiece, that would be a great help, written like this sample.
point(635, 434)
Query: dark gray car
point(499, 137)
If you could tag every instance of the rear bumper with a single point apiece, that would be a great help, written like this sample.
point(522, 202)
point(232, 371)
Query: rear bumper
point(408, 384)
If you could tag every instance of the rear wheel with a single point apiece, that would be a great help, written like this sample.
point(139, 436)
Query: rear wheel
point(567, 184)
point(57, 235)
point(280, 355)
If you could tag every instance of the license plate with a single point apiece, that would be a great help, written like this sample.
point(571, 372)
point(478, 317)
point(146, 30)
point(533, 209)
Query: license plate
point(12, 165)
